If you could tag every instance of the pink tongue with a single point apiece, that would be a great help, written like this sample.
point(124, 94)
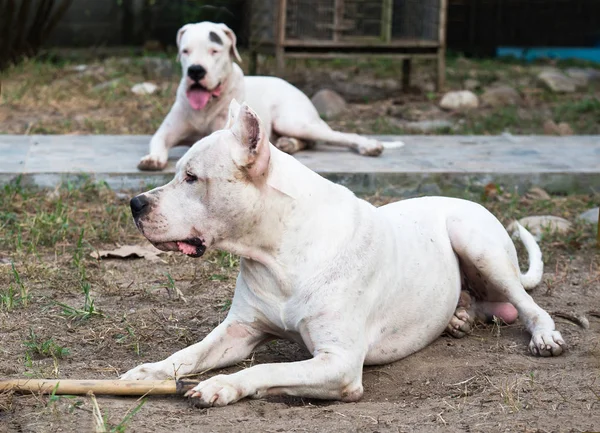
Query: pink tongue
point(186, 248)
point(198, 98)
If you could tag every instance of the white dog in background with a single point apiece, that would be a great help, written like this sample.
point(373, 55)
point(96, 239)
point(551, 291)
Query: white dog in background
point(353, 283)
point(211, 79)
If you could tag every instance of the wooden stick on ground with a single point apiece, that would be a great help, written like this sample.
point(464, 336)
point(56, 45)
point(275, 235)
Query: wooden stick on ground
point(98, 387)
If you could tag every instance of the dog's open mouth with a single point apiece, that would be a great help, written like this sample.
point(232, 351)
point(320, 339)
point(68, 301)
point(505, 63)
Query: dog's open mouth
point(198, 95)
point(193, 247)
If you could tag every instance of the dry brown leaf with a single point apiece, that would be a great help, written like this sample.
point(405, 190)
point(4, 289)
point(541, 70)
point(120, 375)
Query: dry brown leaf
point(130, 251)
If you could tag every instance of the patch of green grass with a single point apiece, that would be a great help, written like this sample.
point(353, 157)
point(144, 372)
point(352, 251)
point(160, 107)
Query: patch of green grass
point(123, 338)
point(31, 218)
point(225, 305)
point(582, 114)
point(227, 260)
point(16, 294)
point(44, 348)
point(87, 311)
point(496, 122)
point(382, 125)
point(102, 423)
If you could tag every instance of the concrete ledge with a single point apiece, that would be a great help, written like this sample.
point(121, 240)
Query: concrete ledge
point(425, 165)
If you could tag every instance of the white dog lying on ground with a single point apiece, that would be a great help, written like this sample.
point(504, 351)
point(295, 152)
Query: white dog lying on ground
point(211, 80)
point(353, 283)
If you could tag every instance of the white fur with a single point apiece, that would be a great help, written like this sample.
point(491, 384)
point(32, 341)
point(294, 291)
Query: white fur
point(353, 283)
point(286, 112)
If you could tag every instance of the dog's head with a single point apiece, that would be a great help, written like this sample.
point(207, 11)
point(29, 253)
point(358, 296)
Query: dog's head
point(205, 51)
point(216, 193)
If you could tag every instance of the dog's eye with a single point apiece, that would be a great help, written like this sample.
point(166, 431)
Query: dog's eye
point(213, 52)
point(190, 178)
point(185, 51)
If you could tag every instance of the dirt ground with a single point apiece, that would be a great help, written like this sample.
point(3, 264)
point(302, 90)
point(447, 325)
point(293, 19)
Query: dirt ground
point(59, 95)
point(137, 311)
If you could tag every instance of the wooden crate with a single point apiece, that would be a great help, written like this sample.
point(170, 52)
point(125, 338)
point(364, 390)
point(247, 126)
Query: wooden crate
point(402, 29)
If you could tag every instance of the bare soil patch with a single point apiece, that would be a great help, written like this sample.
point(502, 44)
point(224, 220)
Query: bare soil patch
point(486, 382)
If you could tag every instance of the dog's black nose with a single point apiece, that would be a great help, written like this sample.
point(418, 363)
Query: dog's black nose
point(196, 72)
point(139, 205)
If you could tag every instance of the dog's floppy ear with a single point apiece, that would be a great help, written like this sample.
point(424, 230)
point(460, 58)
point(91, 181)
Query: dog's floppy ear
point(253, 152)
point(229, 33)
point(180, 33)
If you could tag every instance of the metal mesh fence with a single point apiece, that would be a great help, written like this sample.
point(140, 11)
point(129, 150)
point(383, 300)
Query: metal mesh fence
point(327, 20)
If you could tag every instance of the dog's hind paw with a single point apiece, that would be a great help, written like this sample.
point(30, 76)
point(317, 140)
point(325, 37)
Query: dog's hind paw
point(151, 163)
point(372, 148)
point(547, 343)
point(290, 145)
point(460, 324)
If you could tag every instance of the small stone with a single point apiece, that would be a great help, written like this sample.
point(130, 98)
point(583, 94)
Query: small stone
point(144, 88)
point(500, 96)
point(579, 76)
point(428, 125)
point(328, 103)
point(551, 128)
point(122, 197)
point(557, 82)
point(590, 215)
point(459, 100)
point(564, 129)
point(537, 193)
point(426, 87)
point(540, 225)
point(107, 84)
point(471, 84)
point(157, 68)
point(78, 68)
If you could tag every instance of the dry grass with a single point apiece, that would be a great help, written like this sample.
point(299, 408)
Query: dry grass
point(40, 97)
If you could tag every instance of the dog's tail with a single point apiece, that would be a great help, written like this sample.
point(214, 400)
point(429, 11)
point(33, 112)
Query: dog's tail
point(533, 276)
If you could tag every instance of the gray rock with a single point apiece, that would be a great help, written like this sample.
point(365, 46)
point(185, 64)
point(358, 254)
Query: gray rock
point(540, 225)
point(500, 96)
point(459, 100)
point(537, 193)
point(144, 88)
point(551, 128)
point(157, 68)
point(557, 82)
point(78, 68)
point(428, 125)
point(107, 85)
point(471, 84)
point(583, 76)
point(329, 103)
point(590, 216)
point(579, 76)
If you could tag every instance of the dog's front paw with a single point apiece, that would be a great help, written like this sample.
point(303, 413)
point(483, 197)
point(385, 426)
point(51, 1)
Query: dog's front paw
point(547, 343)
point(219, 390)
point(152, 163)
point(149, 371)
point(370, 148)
